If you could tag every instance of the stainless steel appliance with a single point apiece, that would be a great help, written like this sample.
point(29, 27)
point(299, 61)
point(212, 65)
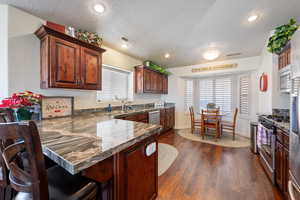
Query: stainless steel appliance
point(285, 79)
point(253, 131)
point(294, 156)
point(266, 139)
point(154, 117)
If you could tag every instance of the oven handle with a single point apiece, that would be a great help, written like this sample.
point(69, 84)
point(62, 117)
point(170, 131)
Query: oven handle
point(291, 187)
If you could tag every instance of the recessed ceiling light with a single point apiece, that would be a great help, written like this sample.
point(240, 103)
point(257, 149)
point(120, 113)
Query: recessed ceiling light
point(211, 54)
point(99, 8)
point(167, 55)
point(124, 46)
point(252, 18)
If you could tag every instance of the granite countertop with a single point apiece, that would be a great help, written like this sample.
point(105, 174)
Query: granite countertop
point(285, 126)
point(76, 143)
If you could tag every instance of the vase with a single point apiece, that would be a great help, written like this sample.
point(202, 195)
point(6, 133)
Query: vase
point(23, 114)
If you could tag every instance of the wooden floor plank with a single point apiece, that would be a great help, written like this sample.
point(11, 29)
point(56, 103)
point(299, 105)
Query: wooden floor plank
point(208, 172)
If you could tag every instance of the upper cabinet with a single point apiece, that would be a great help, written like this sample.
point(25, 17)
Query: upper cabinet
point(67, 62)
point(284, 58)
point(149, 81)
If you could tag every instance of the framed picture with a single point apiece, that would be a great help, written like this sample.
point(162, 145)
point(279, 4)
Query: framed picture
point(57, 106)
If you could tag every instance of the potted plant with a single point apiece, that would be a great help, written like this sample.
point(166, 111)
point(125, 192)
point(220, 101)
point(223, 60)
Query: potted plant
point(23, 104)
point(283, 34)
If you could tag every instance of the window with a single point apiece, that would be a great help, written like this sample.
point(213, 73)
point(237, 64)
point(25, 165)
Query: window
point(188, 94)
point(244, 95)
point(218, 91)
point(115, 84)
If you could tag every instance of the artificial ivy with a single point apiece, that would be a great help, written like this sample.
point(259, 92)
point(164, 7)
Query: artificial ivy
point(283, 34)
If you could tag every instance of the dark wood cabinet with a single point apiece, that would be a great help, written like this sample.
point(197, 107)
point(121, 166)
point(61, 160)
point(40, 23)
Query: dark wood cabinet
point(91, 65)
point(135, 166)
point(67, 62)
point(149, 81)
point(282, 161)
point(167, 118)
point(284, 58)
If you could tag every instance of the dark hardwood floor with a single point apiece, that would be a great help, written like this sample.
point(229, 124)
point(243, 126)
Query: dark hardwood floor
point(208, 172)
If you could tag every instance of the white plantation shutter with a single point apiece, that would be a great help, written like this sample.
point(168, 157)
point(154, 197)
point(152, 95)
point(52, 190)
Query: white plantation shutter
point(188, 94)
point(206, 92)
point(244, 95)
point(218, 91)
point(115, 83)
point(223, 94)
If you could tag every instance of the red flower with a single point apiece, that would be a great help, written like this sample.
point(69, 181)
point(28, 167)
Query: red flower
point(21, 100)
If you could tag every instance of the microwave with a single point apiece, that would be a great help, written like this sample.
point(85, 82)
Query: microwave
point(285, 80)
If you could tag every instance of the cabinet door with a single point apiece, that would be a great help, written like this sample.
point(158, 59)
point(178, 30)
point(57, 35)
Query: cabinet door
point(279, 159)
point(65, 64)
point(159, 83)
point(154, 82)
point(140, 174)
point(285, 172)
point(147, 80)
point(91, 68)
point(162, 118)
point(165, 84)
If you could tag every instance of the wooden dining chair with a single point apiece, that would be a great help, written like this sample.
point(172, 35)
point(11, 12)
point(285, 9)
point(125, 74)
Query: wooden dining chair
point(210, 119)
point(195, 123)
point(230, 125)
point(29, 177)
point(6, 192)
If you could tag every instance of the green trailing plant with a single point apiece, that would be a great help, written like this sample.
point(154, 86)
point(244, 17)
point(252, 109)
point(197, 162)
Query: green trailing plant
point(92, 38)
point(283, 34)
point(156, 67)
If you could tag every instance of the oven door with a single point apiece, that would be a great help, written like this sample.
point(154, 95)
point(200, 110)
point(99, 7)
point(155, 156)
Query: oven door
point(266, 146)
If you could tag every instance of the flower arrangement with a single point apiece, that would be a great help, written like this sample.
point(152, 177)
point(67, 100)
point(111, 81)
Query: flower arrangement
point(22, 103)
point(92, 38)
point(283, 34)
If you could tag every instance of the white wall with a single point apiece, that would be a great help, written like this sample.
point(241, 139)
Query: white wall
point(176, 91)
point(24, 62)
point(3, 51)
point(272, 98)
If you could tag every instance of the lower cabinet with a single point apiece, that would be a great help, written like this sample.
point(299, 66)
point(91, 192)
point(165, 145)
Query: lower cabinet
point(138, 173)
point(167, 118)
point(282, 168)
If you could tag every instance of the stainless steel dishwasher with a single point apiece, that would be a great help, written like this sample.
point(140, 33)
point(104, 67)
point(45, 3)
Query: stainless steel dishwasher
point(154, 117)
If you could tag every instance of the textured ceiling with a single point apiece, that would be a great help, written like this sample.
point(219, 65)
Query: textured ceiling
point(185, 29)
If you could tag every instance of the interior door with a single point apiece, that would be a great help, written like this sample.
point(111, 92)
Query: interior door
point(65, 64)
point(91, 67)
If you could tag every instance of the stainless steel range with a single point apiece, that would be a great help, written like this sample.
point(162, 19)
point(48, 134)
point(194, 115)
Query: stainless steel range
point(266, 139)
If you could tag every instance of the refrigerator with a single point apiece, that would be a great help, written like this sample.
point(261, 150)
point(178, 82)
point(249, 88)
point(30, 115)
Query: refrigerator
point(294, 148)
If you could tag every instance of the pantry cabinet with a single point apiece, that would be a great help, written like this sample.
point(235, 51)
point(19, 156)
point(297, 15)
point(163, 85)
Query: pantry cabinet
point(67, 62)
point(150, 81)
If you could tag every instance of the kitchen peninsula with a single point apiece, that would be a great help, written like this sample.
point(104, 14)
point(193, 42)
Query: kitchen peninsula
point(106, 150)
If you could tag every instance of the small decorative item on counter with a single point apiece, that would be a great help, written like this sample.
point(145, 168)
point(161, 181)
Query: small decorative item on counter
point(25, 104)
point(57, 27)
point(156, 67)
point(71, 31)
point(57, 106)
point(283, 34)
point(109, 108)
point(92, 38)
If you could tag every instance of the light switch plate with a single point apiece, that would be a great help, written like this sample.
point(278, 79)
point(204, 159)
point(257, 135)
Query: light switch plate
point(151, 149)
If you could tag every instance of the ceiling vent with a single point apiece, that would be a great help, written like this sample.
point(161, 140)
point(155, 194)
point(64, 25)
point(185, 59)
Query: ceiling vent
point(233, 54)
